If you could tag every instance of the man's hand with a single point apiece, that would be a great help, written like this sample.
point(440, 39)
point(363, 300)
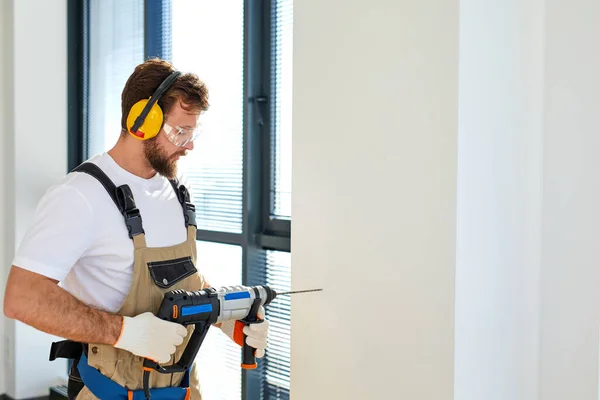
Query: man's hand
point(147, 336)
point(257, 333)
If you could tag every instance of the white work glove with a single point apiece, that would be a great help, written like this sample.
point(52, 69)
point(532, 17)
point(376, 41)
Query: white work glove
point(148, 336)
point(257, 333)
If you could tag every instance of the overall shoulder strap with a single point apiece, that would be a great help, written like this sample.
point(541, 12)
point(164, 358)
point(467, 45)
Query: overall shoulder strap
point(189, 210)
point(121, 196)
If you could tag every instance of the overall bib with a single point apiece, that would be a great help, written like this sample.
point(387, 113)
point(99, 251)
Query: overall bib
point(156, 270)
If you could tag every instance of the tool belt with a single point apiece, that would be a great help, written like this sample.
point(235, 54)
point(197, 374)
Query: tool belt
point(82, 374)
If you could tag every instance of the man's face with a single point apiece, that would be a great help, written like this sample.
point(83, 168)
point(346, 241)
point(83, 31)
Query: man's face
point(160, 152)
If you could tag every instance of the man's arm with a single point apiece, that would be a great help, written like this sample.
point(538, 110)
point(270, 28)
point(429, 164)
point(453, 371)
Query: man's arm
point(38, 301)
point(59, 235)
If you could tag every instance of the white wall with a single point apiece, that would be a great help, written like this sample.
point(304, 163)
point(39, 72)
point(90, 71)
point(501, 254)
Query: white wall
point(499, 199)
point(35, 157)
point(374, 198)
point(571, 256)
point(512, 54)
point(5, 56)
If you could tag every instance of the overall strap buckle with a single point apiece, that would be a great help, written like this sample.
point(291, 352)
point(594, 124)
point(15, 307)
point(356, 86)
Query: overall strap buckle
point(189, 209)
point(190, 215)
point(133, 219)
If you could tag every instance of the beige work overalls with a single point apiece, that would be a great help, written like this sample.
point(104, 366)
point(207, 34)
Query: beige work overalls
point(156, 270)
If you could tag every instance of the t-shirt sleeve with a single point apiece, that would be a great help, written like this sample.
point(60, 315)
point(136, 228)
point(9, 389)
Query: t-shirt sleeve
point(60, 233)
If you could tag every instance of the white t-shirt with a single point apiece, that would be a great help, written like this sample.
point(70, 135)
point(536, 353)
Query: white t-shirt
point(79, 237)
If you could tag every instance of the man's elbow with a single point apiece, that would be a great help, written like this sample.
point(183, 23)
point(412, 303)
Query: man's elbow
point(19, 300)
point(11, 308)
point(12, 299)
point(9, 312)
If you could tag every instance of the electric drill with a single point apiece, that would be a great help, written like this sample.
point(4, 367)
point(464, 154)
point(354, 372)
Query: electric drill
point(211, 306)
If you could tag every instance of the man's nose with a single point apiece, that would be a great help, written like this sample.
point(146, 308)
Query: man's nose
point(190, 145)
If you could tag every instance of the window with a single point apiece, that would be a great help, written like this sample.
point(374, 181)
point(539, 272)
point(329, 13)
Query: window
point(240, 169)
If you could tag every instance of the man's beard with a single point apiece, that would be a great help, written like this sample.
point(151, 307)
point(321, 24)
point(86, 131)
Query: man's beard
point(159, 161)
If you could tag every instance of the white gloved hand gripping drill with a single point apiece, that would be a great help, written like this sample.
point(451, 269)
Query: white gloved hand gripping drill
point(240, 310)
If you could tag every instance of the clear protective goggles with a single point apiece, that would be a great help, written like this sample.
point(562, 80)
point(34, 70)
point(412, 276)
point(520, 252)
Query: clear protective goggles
point(181, 136)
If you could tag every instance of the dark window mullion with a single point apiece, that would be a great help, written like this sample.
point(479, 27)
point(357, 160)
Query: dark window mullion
point(157, 29)
point(277, 243)
point(220, 237)
point(76, 64)
point(256, 25)
point(279, 227)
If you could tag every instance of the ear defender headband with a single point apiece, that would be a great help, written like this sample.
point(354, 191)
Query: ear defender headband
point(145, 119)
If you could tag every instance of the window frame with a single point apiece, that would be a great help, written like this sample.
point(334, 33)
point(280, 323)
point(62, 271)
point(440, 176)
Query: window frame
point(276, 232)
point(261, 232)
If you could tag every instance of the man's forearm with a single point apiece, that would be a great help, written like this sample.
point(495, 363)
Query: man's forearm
point(38, 301)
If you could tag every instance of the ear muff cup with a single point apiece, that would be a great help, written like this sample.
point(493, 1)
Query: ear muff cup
point(152, 122)
point(145, 119)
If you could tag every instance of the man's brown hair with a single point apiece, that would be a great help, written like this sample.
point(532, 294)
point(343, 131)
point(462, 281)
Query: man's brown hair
point(188, 89)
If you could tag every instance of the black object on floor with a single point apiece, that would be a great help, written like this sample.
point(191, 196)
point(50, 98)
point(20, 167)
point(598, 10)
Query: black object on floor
point(58, 393)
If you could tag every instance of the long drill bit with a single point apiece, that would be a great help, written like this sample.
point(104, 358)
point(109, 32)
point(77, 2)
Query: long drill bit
point(299, 291)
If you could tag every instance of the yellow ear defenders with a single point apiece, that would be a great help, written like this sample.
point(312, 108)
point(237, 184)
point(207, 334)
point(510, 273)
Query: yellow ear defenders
point(145, 119)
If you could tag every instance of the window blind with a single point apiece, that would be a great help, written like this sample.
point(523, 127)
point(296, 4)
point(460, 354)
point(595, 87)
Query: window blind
point(281, 107)
point(116, 42)
point(115, 45)
point(277, 377)
point(219, 357)
point(215, 167)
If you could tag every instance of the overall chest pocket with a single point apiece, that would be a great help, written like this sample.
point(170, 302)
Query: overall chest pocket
point(168, 272)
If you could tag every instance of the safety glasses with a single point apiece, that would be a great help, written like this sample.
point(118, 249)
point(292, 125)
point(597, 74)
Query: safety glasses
point(181, 136)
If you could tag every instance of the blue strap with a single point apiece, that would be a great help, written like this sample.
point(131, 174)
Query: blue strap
point(105, 388)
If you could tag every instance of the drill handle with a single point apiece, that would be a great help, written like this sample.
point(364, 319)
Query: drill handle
point(189, 354)
point(248, 352)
